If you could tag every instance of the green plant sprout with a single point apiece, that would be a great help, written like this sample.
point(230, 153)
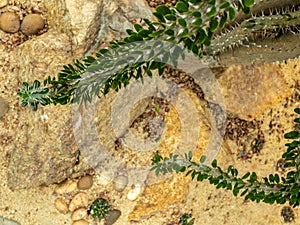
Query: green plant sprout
point(185, 219)
point(271, 189)
point(99, 208)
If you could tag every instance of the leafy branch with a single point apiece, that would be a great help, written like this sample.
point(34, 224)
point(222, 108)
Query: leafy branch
point(271, 189)
point(195, 25)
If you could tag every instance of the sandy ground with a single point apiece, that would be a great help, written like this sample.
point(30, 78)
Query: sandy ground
point(208, 205)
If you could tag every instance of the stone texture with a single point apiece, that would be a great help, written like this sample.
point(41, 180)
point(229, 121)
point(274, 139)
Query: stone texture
point(32, 24)
point(47, 151)
point(4, 221)
point(3, 3)
point(112, 217)
point(251, 89)
point(3, 107)
point(9, 22)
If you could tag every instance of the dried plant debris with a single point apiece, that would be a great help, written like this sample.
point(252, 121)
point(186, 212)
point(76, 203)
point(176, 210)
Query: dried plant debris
point(288, 214)
point(155, 3)
point(247, 135)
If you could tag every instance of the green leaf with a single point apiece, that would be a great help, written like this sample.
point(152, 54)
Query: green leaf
point(224, 5)
point(297, 110)
point(170, 17)
point(212, 12)
point(197, 23)
point(248, 3)
point(214, 163)
point(202, 159)
point(246, 175)
point(292, 135)
point(223, 20)
point(213, 24)
point(196, 14)
point(170, 32)
point(182, 6)
point(163, 10)
point(231, 14)
point(182, 22)
point(138, 27)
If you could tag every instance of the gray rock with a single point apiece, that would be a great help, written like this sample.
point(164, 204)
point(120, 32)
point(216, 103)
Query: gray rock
point(4, 221)
point(112, 217)
point(3, 107)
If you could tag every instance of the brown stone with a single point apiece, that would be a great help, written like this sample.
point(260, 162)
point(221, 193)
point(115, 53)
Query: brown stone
point(32, 24)
point(85, 182)
point(9, 22)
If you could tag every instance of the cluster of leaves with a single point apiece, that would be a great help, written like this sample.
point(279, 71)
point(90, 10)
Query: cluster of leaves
point(271, 189)
point(99, 208)
point(190, 24)
point(186, 219)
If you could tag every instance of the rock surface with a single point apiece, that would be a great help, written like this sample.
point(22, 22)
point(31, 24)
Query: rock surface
point(3, 107)
point(32, 24)
point(9, 22)
point(46, 151)
point(112, 217)
point(3, 3)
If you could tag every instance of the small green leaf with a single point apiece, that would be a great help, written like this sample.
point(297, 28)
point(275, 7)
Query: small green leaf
point(197, 23)
point(231, 14)
point(213, 24)
point(196, 14)
point(214, 163)
point(212, 12)
point(163, 10)
point(224, 5)
point(297, 110)
point(138, 27)
point(170, 17)
point(292, 135)
point(182, 6)
point(248, 3)
point(223, 20)
point(169, 32)
point(182, 22)
point(202, 159)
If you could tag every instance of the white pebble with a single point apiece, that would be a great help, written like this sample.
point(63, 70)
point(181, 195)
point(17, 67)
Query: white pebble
point(134, 193)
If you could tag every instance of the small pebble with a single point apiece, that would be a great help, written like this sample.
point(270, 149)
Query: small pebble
point(120, 183)
point(79, 214)
point(112, 217)
point(61, 206)
point(32, 24)
point(134, 193)
point(65, 187)
point(3, 107)
point(3, 3)
point(85, 182)
point(9, 22)
point(80, 222)
point(78, 201)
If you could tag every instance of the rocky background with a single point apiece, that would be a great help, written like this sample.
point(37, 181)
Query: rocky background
point(45, 179)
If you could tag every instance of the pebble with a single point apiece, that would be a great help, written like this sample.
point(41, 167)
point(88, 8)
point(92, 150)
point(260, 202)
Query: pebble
point(79, 214)
point(4, 221)
point(61, 206)
point(85, 182)
point(9, 22)
point(80, 222)
point(3, 107)
point(120, 183)
point(32, 24)
point(112, 217)
point(134, 193)
point(3, 3)
point(78, 201)
point(66, 187)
